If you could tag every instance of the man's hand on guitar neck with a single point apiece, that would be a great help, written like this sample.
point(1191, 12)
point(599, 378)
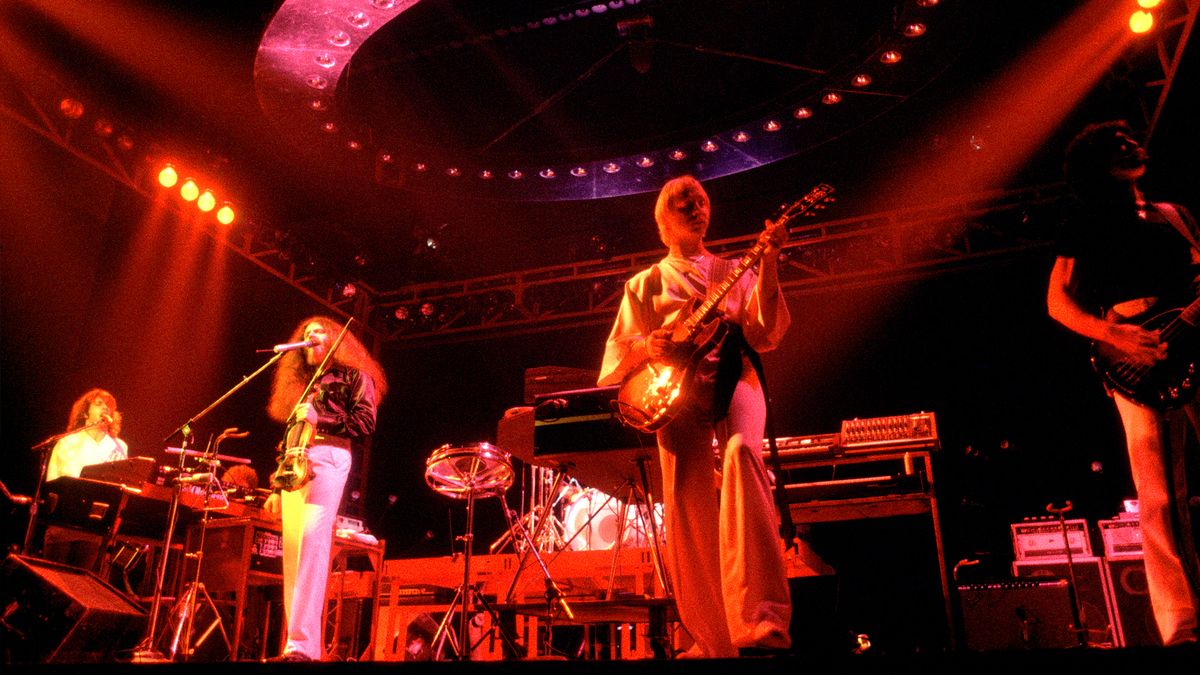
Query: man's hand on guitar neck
point(774, 235)
point(1139, 345)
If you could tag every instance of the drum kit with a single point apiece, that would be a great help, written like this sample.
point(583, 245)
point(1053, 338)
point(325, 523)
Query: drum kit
point(590, 520)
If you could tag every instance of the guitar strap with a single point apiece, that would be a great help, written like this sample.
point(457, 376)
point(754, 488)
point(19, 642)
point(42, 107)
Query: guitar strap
point(787, 528)
point(736, 339)
point(1175, 218)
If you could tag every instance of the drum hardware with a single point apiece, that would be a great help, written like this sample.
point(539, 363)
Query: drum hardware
point(541, 504)
point(557, 488)
point(639, 497)
point(145, 651)
point(469, 473)
point(183, 615)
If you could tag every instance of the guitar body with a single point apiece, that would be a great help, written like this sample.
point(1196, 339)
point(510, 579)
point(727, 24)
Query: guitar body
point(1168, 384)
point(652, 393)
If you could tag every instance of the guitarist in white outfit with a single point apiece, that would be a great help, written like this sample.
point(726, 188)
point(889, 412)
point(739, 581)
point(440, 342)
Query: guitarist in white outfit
point(1132, 259)
point(724, 558)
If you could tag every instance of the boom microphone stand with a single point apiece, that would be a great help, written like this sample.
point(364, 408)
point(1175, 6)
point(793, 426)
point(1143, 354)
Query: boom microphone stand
point(145, 652)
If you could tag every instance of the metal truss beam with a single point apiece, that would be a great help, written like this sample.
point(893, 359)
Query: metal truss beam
point(867, 250)
point(1173, 33)
point(34, 104)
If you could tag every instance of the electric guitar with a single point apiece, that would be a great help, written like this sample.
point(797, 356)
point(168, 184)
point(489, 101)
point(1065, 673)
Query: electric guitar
point(1168, 384)
point(652, 393)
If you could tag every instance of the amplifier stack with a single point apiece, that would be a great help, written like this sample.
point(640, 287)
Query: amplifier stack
point(1113, 600)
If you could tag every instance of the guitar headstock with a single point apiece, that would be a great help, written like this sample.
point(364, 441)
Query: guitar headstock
point(815, 199)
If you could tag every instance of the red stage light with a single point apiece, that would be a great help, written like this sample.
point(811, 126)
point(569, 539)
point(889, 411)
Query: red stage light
point(168, 177)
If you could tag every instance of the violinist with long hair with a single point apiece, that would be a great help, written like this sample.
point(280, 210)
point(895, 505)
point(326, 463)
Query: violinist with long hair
point(339, 411)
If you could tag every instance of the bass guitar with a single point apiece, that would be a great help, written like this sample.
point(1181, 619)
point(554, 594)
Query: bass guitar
point(1168, 384)
point(652, 393)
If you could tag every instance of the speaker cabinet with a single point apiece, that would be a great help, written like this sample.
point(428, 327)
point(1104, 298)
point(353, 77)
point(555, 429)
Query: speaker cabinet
point(1135, 619)
point(1017, 615)
point(62, 614)
point(1095, 606)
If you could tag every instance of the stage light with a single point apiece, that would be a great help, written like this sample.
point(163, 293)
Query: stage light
point(226, 214)
point(890, 56)
point(168, 177)
point(1149, 4)
point(1141, 22)
point(189, 190)
point(346, 289)
point(102, 128)
point(206, 201)
point(70, 108)
point(401, 313)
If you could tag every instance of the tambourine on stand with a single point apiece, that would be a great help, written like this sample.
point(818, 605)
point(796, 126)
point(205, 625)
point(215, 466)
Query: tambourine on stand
point(468, 472)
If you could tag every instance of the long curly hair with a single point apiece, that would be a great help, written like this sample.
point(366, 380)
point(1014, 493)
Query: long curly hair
point(1089, 157)
point(79, 411)
point(292, 373)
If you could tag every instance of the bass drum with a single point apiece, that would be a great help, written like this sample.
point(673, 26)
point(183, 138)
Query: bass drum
point(590, 524)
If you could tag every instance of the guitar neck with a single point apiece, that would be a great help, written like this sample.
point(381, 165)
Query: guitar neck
point(1191, 313)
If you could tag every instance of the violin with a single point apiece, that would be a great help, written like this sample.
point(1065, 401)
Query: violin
point(294, 470)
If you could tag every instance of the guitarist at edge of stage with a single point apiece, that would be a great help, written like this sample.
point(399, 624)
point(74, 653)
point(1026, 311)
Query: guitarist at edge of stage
point(724, 560)
point(1137, 261)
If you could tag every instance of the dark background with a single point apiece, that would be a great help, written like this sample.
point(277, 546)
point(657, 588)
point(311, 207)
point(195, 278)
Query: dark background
point(1022, 419)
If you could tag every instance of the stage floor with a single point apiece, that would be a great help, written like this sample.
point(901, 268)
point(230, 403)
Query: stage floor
point(1026, 662)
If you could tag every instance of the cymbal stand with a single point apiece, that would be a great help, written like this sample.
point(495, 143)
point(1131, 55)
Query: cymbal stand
point(555, 489)
point(640, 498)
point(464, 597)
point(145, 651)
point(542, 503)
point(185, 609)
point(554, 596)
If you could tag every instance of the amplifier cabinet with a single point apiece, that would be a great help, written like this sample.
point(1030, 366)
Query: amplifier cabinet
point(1043, 538)
point(1095, 604)
point(1032, 614)
point(1122, 537)
point(1131, 599)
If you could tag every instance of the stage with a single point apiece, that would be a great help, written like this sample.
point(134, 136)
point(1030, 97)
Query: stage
point(1141, 660)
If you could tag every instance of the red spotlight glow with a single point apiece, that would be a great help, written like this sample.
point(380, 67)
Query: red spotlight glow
point(1141, 22)
point(168, 177)
point(189, 190)
point(206, 201)
point(70, 108)
point(225, 214)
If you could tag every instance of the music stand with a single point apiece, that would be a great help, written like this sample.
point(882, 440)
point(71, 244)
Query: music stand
point(468, 472)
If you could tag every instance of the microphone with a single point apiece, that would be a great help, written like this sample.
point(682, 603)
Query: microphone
point(292, 346)
point(194, 479)
point(107, 419)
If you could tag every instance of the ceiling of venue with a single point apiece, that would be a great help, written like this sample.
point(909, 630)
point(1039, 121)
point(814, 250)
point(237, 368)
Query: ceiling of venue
point(413, 141)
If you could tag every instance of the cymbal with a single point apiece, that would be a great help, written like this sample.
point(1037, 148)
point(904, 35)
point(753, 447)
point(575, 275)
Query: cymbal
point(197, 453)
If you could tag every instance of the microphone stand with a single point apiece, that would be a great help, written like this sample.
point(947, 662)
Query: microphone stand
point(145, 652)
point(37, 493)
